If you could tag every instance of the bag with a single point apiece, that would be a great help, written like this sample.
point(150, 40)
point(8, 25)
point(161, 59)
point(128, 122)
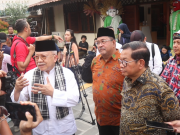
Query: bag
point(153, 54)
point(86, 69)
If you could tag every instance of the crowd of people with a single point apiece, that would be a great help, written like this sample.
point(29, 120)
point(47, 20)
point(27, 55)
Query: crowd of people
point(130, 83)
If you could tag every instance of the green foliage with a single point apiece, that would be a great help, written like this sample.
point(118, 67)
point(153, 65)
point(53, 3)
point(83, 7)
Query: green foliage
point(3, 25)
point(6, 31)
point(15, 11)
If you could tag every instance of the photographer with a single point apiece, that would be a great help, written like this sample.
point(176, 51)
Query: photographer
point(22, 45)
point(25, 126)
point(69, 37)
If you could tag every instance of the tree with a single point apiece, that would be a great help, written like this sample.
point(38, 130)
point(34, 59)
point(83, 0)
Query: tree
point(3, 25)
point(15, 11)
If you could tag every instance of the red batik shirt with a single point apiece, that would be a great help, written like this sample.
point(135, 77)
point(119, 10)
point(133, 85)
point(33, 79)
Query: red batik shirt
point(107, 86)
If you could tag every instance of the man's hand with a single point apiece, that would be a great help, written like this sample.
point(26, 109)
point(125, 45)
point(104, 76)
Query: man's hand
point(27, 126)
point(45, 89)
point(31, 49)
point(2, 73)
point(175, 124)
point(58, 38)
point(21, 82)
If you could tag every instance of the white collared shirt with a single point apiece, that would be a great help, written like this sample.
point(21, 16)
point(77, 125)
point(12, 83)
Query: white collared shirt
point(6, 59)
point(157, 59)
point(68, 98)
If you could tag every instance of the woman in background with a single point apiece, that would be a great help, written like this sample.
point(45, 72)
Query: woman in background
point(125, 34)
point(69, 37)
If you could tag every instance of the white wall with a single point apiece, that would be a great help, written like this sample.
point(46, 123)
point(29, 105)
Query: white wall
point(59, 18)
point(147, 17)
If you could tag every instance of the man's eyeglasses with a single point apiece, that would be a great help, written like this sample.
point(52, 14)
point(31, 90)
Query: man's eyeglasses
point(124, 63)
point(101, 42)
point(43, 57)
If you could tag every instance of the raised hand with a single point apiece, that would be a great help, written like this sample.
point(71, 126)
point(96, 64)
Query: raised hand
point(45, 89)
point(58, 38)
point(21, 82)
point(27, 126)
point(31, 49)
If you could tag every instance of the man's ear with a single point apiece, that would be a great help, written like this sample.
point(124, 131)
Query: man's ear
point(145, 39)
point(141, 64)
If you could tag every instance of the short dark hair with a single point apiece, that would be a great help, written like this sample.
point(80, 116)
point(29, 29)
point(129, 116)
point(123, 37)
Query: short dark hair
point(139, 51)
point(83, 36)
point(10, 26)
point(20, 25)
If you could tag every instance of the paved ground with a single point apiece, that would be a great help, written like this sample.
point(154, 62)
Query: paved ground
point(83, 128)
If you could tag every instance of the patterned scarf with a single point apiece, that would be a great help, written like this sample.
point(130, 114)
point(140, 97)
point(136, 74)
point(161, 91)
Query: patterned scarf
point(41, 99)
point(178, 59)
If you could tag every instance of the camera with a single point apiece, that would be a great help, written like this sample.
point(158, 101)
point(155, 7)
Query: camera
point(68, 46)
point(11, 36)
point(32, 27)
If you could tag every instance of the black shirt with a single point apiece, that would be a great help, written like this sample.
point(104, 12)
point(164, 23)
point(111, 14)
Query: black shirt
point(83, 45)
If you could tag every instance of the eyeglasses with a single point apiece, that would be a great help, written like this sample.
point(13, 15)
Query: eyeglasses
point(124, 63)
point(176, 35)
point(101, 42)
point(43, 57)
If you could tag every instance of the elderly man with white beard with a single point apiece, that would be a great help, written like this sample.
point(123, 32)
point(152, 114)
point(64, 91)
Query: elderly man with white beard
point(53, 88)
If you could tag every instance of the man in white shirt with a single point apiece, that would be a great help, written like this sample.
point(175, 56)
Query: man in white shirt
point(155, 64)
point(53, 88)
point(118, 46)
point(6, 60)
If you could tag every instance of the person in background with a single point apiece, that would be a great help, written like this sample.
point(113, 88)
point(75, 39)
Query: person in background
point(22, 46)
point(145, 95)
point(83, 46)
point(9, 42)
point(10, 29)
point(125, 34)
point(69, 37)
point(107, 83)
point(155, 64)
point(6, 49)
point(94, 49)
point(165, 53)
point(171, 73)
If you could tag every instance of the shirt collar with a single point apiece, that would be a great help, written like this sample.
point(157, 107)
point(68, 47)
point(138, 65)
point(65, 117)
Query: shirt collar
point(51, 72)
point(115, 56)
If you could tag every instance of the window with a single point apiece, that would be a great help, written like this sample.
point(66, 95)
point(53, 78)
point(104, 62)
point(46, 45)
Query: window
point(76, 20)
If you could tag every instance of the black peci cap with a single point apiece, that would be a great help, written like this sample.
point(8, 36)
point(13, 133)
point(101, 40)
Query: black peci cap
point(47, 45)
point(3, 37)
point(105, 32)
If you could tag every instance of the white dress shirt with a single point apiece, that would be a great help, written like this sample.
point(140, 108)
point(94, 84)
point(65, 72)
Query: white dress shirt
point(157, 59)
point(118, 46)
point(68, 98)
point(6, 59)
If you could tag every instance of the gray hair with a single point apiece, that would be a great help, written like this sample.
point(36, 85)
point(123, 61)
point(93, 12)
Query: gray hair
point(54, 52)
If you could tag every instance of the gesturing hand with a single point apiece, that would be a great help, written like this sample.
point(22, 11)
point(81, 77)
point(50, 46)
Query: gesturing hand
point(31, 49)
point(27, 126)
point(45, 89)
point(58, 38)
point(21, 83)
